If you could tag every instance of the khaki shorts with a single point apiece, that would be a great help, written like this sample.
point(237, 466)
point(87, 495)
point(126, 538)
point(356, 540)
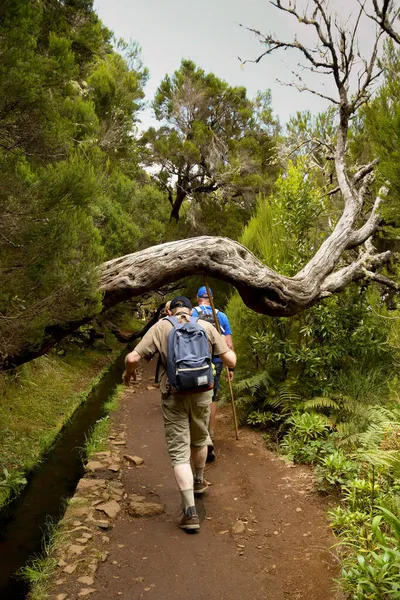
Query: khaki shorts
point(185, 422)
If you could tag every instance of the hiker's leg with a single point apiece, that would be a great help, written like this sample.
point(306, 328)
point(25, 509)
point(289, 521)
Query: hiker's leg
point(199, 456)
point(184, 479)
point(177, 434)
point(199, 438)
point(213, 409)
point(211, 426)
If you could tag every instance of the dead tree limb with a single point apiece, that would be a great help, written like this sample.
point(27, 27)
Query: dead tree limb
point(385, 15)
point(261, 288)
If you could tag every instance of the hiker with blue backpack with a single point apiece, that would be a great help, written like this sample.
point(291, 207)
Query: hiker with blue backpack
point(186, 346)
point(204, 312)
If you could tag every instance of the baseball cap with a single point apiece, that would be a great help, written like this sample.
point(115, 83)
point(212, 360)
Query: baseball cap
point(180, 302)
point(202, 292)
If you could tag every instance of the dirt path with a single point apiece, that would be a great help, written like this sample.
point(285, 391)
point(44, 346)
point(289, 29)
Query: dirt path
point(281, 553)
point(263, 532)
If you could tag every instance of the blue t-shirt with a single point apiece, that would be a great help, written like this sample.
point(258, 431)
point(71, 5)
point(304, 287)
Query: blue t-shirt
point(222, 318)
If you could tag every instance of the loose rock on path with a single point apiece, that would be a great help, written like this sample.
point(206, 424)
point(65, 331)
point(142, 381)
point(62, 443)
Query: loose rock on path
point(264, 534)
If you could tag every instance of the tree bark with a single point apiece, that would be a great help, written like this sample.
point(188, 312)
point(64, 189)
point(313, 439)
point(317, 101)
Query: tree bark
point(262, 289)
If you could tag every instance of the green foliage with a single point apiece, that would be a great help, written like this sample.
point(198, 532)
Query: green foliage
point(375, 573)
point(212, 140)
point(334, 470)
point(307, 437)
point(96, 439)
point(11, 483)
point(51, 387)
point(40, 568)
point(73, 193)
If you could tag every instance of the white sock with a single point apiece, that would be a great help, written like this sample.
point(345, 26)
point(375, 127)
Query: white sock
point(187, 497)
point(199, 473)
point(184, 478)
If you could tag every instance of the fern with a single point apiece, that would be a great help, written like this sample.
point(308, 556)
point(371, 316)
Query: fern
point(389, 459)
point(255, 383)
point(321, 402)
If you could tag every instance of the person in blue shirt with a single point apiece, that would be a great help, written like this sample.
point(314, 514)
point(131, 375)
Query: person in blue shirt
point(204, 308)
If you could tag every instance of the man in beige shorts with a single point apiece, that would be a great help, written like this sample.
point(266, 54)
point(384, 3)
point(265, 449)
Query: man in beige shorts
point(185, 416)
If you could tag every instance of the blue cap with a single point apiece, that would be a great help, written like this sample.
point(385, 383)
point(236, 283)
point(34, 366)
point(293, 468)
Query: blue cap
point(202, 292)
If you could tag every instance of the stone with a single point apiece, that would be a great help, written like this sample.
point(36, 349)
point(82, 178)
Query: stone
point(95, 465)
point(86, 591)
point(78, 511)
point(85, 483)
point(86, 580)
point(114, 468)
point(137, 498)
point(150, 387)
point(93, 565)
point(136, 460)
point(238, 528)
point(105, 539)
point(138, 508)
point(111, 508)
point(61, 597)
point(87, 535)
point(77, 523)
point(75, 549)
point(102, 523)
point(116, 497)
point(61, 563)
point(82, 540)
point(96, 502)
point(118, 442)
point(103, 454)
point(70, 568)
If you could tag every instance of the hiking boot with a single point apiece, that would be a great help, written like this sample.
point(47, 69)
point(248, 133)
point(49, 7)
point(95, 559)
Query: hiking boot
point(210, 454)
point(199, 487)
point(189, 520)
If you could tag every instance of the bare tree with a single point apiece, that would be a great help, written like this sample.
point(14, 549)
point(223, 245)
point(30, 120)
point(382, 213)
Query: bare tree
point(333, 266)
point(386, 14)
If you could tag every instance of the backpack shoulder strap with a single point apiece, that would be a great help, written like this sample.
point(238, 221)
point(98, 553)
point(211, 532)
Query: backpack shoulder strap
point(173, 320)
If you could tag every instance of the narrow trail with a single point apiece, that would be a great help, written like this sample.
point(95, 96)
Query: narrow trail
point(281, 553)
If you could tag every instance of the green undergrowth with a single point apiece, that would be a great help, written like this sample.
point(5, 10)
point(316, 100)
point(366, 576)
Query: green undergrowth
point(41, 568)
point(37, 400)
point(96, 440)
point(39, 572)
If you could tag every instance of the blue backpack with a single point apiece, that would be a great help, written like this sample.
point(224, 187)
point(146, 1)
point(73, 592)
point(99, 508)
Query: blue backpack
point(189, 365)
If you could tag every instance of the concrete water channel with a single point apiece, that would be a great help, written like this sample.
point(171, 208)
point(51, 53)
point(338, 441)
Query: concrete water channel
point(24, 522)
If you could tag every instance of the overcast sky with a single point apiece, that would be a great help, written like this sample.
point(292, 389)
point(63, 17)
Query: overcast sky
point(208, 33)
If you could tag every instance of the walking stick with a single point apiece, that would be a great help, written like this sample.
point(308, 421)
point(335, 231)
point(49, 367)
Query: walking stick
point(228, 379)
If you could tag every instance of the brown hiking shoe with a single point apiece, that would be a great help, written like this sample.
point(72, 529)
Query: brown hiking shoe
point(189, 520)
point(199, 487)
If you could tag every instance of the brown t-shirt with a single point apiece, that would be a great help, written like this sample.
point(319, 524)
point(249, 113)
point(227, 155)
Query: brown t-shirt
point(156, 340)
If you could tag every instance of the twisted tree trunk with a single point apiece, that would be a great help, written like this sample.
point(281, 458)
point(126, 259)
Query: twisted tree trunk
point(261, 288)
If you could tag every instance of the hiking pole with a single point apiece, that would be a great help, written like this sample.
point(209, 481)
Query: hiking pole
point(228, 379)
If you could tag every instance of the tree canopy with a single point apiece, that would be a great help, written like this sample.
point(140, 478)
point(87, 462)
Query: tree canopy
point(212, 139)
point(80, 186)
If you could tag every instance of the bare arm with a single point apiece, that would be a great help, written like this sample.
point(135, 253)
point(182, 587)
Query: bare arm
point(228, 358)
point(131, 361)
point(229, 341)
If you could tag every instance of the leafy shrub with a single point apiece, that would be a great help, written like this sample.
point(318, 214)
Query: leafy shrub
point(375, 573)
point(334, 471)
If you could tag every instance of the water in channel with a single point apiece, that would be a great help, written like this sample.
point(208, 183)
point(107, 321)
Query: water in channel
point(23, 522)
